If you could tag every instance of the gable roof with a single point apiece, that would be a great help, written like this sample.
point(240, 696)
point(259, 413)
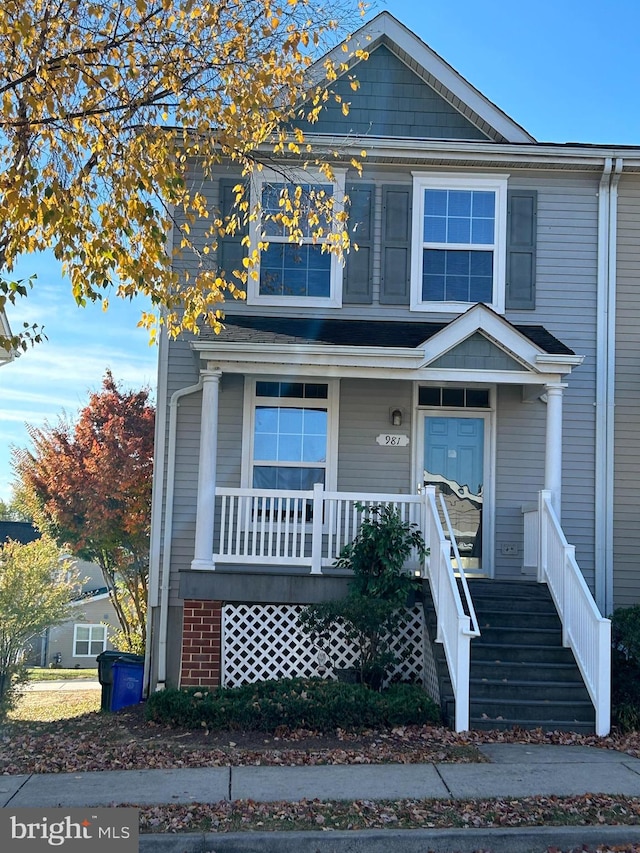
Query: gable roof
point(434, 71)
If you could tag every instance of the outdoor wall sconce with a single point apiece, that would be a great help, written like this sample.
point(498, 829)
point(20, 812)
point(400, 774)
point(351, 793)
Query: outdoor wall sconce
point(396, 417)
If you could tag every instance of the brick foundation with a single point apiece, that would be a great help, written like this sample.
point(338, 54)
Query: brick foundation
point(201, 644)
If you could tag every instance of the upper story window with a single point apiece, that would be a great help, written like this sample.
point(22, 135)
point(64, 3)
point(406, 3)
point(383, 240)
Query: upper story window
point(459, 240)
point(298, 271)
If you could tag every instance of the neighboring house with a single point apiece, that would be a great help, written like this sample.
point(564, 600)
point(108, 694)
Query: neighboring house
point(469, 346)
point(76, 642)
point(5, 355)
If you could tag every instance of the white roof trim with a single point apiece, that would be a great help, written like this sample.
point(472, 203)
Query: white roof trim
point(385, 24)
point(500, 332)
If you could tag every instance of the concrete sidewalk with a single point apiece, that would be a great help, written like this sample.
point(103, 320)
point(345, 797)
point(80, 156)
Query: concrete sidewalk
point(63, 685)
point(515, 771)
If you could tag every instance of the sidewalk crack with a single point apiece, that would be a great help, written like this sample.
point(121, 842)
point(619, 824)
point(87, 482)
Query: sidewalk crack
point(30, 776)
point(229, 788)
point(444, 781)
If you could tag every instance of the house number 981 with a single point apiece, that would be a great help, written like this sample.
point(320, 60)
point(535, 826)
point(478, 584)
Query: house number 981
point(392, 440)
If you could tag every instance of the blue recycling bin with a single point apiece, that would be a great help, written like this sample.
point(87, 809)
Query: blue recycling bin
point(105, 672)
point(126, 690)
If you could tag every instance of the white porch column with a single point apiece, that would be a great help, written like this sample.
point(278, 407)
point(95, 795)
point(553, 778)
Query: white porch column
point(553, 450)
point(203, 552)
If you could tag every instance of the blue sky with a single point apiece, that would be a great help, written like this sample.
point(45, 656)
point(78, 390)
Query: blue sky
point(567, 71)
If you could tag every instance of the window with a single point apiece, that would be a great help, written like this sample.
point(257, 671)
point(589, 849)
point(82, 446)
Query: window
point(295, 272)
point(291, 435)
point(459, 228)
point(458, 398)
point(89, 640)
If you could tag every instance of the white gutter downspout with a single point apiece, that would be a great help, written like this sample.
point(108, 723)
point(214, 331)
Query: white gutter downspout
point(611, 382)
point(605, 379)
point(168, 531)
point(600, 533)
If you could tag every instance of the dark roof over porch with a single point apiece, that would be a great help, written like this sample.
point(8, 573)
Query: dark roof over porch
point(364, 333)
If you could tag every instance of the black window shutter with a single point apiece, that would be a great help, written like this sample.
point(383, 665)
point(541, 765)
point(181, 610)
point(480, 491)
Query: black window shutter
point(230, 248)
point(395, 262)
point(357, 285)
point(521, 249)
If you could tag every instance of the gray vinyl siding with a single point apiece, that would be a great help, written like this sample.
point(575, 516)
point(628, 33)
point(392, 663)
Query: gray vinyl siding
point(520, 447)
point(183, 372)
point(391, 101)
point(565, 305)
point(230, 431)
point(476, 353)
point(364, 465)
point(626, 530)
point(566, 278)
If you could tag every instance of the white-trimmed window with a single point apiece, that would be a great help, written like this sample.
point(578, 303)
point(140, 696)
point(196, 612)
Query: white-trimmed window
point(459, 239)
point(89, 640)
point(291, 434)
point(295, 272)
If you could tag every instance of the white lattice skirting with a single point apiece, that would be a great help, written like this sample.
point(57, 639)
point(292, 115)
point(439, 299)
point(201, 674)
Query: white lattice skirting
point(260, 642)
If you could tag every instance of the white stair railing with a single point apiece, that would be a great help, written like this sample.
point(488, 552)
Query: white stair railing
point(584, 630)
point(455, 628)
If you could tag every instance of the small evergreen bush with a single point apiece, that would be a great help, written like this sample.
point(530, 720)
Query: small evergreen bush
point(374, 609)
point(625, 668)
point(294, 703)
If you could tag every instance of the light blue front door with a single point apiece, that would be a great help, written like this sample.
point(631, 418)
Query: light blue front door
point(454, 463)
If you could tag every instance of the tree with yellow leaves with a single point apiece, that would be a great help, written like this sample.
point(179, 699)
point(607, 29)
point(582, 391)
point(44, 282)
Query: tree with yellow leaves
point(106, 107)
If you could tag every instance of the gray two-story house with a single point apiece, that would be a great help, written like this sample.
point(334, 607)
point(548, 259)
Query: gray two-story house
point(462, 364)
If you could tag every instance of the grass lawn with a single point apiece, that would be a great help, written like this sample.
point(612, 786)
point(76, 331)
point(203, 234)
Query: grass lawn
point(37, 673)
point(50, 707)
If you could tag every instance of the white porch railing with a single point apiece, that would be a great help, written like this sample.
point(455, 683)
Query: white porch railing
point(455, 628)
point(307, 529)
point(584, 630)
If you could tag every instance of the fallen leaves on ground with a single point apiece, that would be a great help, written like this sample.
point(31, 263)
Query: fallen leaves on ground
point(126, 741)
point(591, 810)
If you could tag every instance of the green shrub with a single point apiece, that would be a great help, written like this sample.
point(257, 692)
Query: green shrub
point(406, 704)
point(375, 607)
point(625, 668)
point(293, 703)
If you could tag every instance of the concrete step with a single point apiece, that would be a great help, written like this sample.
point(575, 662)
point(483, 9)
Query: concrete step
point(542, 712)
point(515, 618)
point(526, 635)
point(526, 670)
point(519, 653)
point(540, 691)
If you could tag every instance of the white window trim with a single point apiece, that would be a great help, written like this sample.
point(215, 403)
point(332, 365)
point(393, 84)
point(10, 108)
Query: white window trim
point(90, 626)
point(251, 400)
point(254, 297)
point(495, 183)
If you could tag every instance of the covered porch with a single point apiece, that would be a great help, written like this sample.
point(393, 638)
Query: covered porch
point(389, 419)
point(248, 528)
